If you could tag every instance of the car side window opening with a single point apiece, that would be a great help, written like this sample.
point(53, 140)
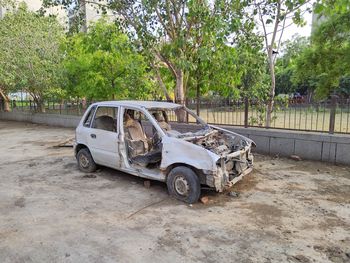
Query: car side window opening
point(88, 119)
point(106, 118)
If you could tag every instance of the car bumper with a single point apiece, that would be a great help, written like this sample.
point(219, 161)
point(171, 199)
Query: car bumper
point(230, 170)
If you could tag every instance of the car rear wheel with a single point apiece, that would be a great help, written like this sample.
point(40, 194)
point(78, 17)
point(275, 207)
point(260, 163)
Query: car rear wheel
point(183, 184)
point(85, 161)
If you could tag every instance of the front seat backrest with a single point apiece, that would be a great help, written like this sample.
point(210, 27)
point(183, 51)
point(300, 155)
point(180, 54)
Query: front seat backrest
point(161, 121)
point(135, 130)
point(137, 144)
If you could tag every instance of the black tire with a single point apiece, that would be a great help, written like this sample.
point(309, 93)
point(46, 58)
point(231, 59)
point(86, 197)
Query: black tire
point(85, 161)
point(183, 184)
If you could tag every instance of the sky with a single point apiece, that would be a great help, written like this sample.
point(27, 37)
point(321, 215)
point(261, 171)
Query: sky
point(293, 29)
point(302, 31)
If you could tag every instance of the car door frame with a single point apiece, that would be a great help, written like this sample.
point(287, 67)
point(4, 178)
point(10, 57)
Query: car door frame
point(102, 150)
point(123, 148)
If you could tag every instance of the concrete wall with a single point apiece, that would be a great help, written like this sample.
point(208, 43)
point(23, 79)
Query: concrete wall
point(42, 118)
point(307, 145)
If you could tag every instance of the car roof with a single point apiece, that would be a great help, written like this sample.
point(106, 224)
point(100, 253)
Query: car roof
point(140, 104)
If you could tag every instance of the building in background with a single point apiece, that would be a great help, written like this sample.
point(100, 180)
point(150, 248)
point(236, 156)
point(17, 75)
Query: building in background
point(73, 16)
point(36, 5)
point(93, 10)
point(317, 19)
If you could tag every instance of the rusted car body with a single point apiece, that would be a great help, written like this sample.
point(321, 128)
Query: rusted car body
point(162, 141)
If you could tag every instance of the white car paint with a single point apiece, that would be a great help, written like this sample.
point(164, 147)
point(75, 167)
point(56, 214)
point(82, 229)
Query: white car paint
point(109, 149)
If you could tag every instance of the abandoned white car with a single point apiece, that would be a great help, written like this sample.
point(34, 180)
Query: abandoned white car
point(162, 141)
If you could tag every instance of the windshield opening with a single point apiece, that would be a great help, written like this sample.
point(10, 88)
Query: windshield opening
point(179, 122)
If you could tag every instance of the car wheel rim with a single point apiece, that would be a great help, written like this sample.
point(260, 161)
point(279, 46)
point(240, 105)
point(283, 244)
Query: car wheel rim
point(84, 161)
point(181, 186)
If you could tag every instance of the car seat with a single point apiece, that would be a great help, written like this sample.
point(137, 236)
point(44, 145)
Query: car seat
point(137, 140)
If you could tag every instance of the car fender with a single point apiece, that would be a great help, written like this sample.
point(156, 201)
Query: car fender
point(180, 151)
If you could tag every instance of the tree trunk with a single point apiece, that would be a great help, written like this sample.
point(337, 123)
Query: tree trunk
point(309, 95)
point(40, 105)
point(179, 89)
point(270, 101)
point(180, 94)
point(6, 101)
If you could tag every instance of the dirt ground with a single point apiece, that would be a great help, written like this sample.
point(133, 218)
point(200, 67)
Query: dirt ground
point(286, 211)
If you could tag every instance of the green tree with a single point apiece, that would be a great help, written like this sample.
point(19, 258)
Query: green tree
point(30, 59)
point(331, 7)
point(103, 64)
point(217, 65)
point(252, 63)
point(4, 81)
point(327, 59)
point(344, 86)
point(213, 69)
point(285, 65)
point(279, 14)
point(170, 32)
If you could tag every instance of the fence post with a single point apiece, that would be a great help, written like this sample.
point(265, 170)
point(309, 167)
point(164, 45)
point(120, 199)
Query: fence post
point(332, 113)
point(197, 105)
point(186, 104)
point(246, 109)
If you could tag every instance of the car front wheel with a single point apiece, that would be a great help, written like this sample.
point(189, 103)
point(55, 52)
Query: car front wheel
point(85, 161)
point(183, 184)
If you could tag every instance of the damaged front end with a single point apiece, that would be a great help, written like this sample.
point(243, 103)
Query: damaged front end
point(233, 156)
point(232, 167)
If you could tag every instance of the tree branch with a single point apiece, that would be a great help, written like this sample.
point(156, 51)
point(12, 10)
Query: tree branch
point(279, 41)
point(263, 25)
point(163, 24)
point(160, 81)
point(276, 26)
point(167, 62)
point(171, 22)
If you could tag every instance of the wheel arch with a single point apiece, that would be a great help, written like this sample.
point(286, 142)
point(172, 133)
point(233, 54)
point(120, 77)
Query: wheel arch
point(198, 172)
point(79, 147)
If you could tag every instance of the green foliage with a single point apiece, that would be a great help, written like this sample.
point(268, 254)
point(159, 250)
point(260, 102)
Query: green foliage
point(327, 60)
point(29, 53)
point(252, 62)
point(103, 64)
point(331, 7)
point(189, 38)
point(216, 71)
point(10, 4)
point(222, 50)
point(285, 66)
point(344, 86)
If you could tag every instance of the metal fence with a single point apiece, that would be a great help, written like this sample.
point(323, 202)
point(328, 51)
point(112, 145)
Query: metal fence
point(332, 116)
point(63, 107)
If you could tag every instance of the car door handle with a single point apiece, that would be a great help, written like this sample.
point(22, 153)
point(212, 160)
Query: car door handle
point(93, 136)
